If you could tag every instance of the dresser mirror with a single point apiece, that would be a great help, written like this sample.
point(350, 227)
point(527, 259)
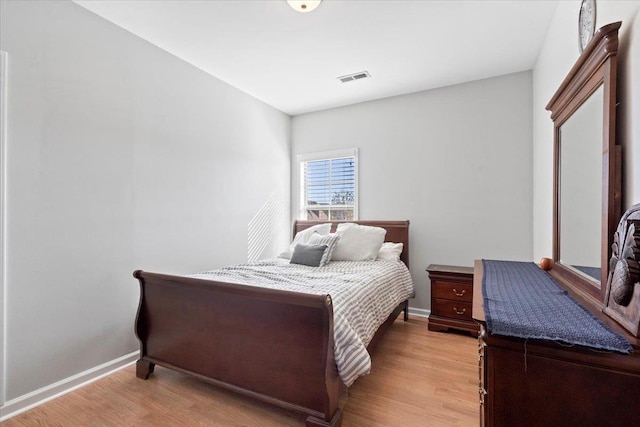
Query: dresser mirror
point(580, 192)
point(586, 193)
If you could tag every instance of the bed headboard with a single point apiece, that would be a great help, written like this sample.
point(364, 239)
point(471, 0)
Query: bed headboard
point(397, 231)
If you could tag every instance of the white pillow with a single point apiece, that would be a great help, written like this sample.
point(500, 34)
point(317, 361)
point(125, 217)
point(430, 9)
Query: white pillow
point(358, 242)
point(304, 236)
point(390, 251)
point(330, 240)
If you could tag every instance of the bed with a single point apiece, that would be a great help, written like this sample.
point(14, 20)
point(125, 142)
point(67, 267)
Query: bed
point(270, 344)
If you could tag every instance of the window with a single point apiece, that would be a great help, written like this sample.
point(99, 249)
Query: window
point(328, 185)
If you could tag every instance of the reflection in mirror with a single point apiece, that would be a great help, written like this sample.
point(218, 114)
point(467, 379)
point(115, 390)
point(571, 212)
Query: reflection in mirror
point(580, 190)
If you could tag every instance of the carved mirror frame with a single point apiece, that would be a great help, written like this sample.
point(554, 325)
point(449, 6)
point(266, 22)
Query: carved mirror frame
point(595, 68)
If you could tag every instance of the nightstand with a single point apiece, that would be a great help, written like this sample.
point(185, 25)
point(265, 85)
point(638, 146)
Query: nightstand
point(451, 298)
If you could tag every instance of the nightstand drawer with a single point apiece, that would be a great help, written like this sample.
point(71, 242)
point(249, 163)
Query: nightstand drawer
point(452, 309)
point(453, 291)
point(451, 298)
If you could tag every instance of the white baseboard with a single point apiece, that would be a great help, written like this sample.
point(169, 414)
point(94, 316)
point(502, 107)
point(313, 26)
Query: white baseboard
point(22, 404)
point(420, 312)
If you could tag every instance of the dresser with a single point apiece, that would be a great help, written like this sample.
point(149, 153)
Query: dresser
point(543, 383)
point(451, 298)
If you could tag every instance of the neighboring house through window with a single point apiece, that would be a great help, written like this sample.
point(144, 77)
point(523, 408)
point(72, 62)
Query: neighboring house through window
point(328, 185)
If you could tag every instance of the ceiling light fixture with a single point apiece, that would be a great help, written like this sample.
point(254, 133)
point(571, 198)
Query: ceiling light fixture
point(304, 5)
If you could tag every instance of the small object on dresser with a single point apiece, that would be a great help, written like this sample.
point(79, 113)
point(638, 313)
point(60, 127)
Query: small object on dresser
point(451, 298)
point(546, 264)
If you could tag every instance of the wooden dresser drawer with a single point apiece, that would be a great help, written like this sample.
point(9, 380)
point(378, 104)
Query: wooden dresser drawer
point(453, 291)
point(452, 309)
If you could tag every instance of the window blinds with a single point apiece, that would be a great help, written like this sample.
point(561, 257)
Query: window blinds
point(330, 188)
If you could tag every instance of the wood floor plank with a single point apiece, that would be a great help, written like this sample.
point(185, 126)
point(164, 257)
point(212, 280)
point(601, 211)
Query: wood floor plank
point(419, 378)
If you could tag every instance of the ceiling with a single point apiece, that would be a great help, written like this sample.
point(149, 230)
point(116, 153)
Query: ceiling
point(291, 60)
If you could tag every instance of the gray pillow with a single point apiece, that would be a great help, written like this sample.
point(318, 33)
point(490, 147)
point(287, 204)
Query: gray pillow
point(331, 240)
point(310, 255)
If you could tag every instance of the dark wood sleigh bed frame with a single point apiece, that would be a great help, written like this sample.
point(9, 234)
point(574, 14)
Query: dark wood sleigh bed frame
point(272, 345)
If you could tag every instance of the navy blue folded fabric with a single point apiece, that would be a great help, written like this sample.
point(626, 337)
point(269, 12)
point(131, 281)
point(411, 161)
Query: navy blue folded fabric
point(522, 300)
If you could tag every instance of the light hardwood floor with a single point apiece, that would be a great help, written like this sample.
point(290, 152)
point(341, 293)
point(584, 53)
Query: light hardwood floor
point(419, 378)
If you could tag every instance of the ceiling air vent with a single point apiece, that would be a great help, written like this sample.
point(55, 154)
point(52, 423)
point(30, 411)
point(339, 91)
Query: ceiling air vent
point(355, 76)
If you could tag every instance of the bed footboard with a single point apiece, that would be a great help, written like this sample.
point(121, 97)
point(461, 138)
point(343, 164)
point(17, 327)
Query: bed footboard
point(272, 345)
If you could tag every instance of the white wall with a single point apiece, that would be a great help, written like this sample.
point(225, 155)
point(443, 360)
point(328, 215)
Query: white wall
point(455, 161)
point(120, 156)
point(557, 56)
point(3, 111)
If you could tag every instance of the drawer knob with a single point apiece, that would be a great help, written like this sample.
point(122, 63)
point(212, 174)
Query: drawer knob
point(459, 294)
point(460, 312)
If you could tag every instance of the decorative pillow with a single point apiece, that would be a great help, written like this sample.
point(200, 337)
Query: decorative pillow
point(304, 236)
point(330, 240)
point(310, 255)
point(358, 242)
point(390, 251)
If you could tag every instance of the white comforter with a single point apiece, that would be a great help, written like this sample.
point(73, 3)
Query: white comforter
point(364, 294)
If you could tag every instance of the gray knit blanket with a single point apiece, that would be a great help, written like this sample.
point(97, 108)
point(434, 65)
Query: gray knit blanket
point(522, 300)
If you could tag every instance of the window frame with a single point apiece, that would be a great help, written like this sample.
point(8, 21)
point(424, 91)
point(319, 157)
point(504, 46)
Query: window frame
point(326, 155)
